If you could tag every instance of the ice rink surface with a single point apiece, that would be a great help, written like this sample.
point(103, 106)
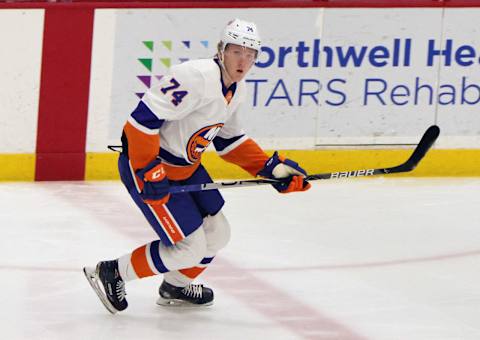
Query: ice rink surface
point(380, 259)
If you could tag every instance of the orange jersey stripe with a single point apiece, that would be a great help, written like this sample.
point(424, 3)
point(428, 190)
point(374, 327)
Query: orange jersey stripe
point(178, 173)
point(140, 263)
point(169, 225)
point(248, 155)
point(192, 272)
point(142, 147)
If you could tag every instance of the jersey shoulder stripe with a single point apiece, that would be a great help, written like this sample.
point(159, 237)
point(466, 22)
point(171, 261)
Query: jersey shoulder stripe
point(145, 117)
point(222, 143)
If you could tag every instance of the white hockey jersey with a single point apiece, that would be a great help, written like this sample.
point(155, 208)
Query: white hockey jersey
point(191, 110)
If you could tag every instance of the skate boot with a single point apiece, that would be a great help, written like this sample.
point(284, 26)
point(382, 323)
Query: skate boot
point(112, 289)
point(191, 295)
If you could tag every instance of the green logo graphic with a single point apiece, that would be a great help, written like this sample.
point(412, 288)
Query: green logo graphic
point(158, 56)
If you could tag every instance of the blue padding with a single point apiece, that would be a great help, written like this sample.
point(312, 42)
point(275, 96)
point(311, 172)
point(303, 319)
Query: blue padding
point(208, 202)
point(145, 117)
point(129, 183)
point(188, 209)
point(222, 143)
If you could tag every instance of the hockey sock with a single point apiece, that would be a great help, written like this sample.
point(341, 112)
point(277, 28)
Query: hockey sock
point(183, 277)
point(142, 262)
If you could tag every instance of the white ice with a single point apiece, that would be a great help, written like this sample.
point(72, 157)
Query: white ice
point(380, 259)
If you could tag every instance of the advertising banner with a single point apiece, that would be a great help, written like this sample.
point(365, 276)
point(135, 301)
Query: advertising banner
point(325, 77)
point(20, 60)
point(459, 77)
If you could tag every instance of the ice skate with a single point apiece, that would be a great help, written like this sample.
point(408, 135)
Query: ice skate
point(111, 291)
point(191, 295)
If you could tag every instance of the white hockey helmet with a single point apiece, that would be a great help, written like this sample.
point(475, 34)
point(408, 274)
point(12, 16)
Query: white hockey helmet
point(241, 33)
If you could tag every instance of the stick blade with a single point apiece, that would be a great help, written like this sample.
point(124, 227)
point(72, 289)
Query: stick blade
point(428, 139)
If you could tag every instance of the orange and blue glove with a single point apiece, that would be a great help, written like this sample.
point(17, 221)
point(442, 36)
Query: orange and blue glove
point(292, 176)
point(155, 183)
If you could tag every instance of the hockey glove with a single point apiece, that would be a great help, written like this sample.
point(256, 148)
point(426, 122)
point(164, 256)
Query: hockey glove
point(155, 183)
point(291, 174)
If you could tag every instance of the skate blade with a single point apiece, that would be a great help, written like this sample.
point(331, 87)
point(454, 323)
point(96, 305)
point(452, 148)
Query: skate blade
point(180, 303)
point(92, 278)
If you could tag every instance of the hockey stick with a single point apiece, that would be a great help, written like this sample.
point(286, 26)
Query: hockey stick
point(428, 138)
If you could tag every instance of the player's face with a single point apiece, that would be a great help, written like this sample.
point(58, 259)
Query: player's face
point(238, 60)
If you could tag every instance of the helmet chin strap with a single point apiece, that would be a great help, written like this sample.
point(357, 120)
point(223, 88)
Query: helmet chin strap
point(222, 65)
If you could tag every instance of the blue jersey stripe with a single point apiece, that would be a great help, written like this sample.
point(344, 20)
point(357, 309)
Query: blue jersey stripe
point(172, 159)
point(206, 260)
point(145, 117)
point(222, 143)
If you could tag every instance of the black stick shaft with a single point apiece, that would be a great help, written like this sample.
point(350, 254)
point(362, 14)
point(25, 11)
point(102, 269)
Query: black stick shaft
point(428, 138)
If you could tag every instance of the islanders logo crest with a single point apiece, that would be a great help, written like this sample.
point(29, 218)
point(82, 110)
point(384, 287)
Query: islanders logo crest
point(200, 140)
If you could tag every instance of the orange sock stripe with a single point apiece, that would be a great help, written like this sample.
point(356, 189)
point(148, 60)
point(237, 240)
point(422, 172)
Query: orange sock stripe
point(192, 272)
point(168, 224)
point(140, 262)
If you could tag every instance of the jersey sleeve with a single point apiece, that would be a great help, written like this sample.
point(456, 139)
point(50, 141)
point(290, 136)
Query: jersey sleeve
point(234, 146)
point(174, 98)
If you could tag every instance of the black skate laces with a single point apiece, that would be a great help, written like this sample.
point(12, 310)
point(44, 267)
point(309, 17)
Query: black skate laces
point(194, 291)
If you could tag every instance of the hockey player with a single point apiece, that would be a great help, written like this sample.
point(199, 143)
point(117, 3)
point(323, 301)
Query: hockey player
point(163, 140)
